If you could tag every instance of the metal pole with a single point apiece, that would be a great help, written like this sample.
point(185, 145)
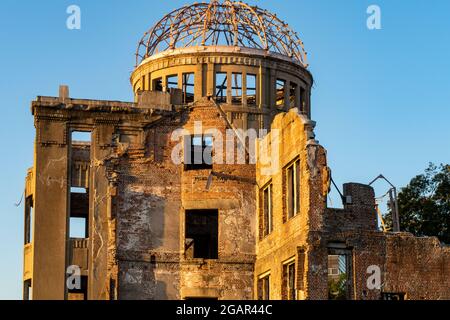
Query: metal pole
point(397, 213)
point(393, 199)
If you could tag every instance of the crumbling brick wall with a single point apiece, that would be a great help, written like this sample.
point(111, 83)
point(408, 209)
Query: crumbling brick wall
point(153, 196)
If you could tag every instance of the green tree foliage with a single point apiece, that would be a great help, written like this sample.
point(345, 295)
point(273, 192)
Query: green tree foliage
point(337, 288)
point(424, 204)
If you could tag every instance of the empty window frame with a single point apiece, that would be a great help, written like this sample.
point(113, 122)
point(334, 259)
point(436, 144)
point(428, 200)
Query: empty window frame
point(339, 274)
point(172, 82)
point(292, 177)
point(236, 88)
point(201, 232)
point(302, 99)
point(78, 228)
point(81, 137)
point(264, 287)
point(267, 210)
point(188, 87)
point(251, 89)
point(198, 152)
point(79, 192)
point(27, 290)
point(29, 215)
point(293, 95)
point(157, 84)
point(280, 89)
point(221, 87)
point(289, 290)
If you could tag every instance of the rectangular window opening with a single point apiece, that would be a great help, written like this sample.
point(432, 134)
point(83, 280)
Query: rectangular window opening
point(289, 288)
point(83, 137)
point(157, 84)
point(27, 290)
point(264, 288)
point(280, 93)
point(188, 87)
point(251, 89)
point(172, 82)
point(78, 228)
point(201, 231)
point(293, 189)
point(267, 208)
point(302, 99)
point(236, 88)
point(29, 215)
point(293, 95)
point(221, 87)
point(198, 152)
point(339, 273)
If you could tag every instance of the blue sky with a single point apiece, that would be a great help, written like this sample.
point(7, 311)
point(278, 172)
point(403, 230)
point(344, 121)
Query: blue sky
point(381, 97)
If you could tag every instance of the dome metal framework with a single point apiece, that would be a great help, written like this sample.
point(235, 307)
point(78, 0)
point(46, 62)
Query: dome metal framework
point(230, 23)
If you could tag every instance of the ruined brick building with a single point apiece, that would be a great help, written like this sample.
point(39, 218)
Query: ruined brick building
point(236, 218)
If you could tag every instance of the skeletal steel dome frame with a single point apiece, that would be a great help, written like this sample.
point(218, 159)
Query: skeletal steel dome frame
point(230, 23)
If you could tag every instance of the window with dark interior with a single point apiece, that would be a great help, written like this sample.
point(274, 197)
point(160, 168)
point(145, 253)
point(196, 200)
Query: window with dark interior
point(302, 99)
point(266, 217)
point(292, 176)
point(264, 288)
point(27, 290)
point(201, 234)
point(157, 84)
point(28, 220)
point(293, 95)
point(289, 292)
point(198, 152)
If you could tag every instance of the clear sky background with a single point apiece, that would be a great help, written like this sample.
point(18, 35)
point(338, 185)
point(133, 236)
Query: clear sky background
point(381, 98)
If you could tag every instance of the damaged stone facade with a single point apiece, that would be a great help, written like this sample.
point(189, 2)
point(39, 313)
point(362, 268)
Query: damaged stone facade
point(155, 228)
point(410, 267)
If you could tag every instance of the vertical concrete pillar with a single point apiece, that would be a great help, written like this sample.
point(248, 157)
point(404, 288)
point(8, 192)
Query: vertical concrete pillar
point(261, 88)
point(287, 89)
point(298, 97)
point(272, 89)
point(51, 218)
point(210, 80)
point(244, 89)
point(99, 223)
point(198, 88)
point(229, 86)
